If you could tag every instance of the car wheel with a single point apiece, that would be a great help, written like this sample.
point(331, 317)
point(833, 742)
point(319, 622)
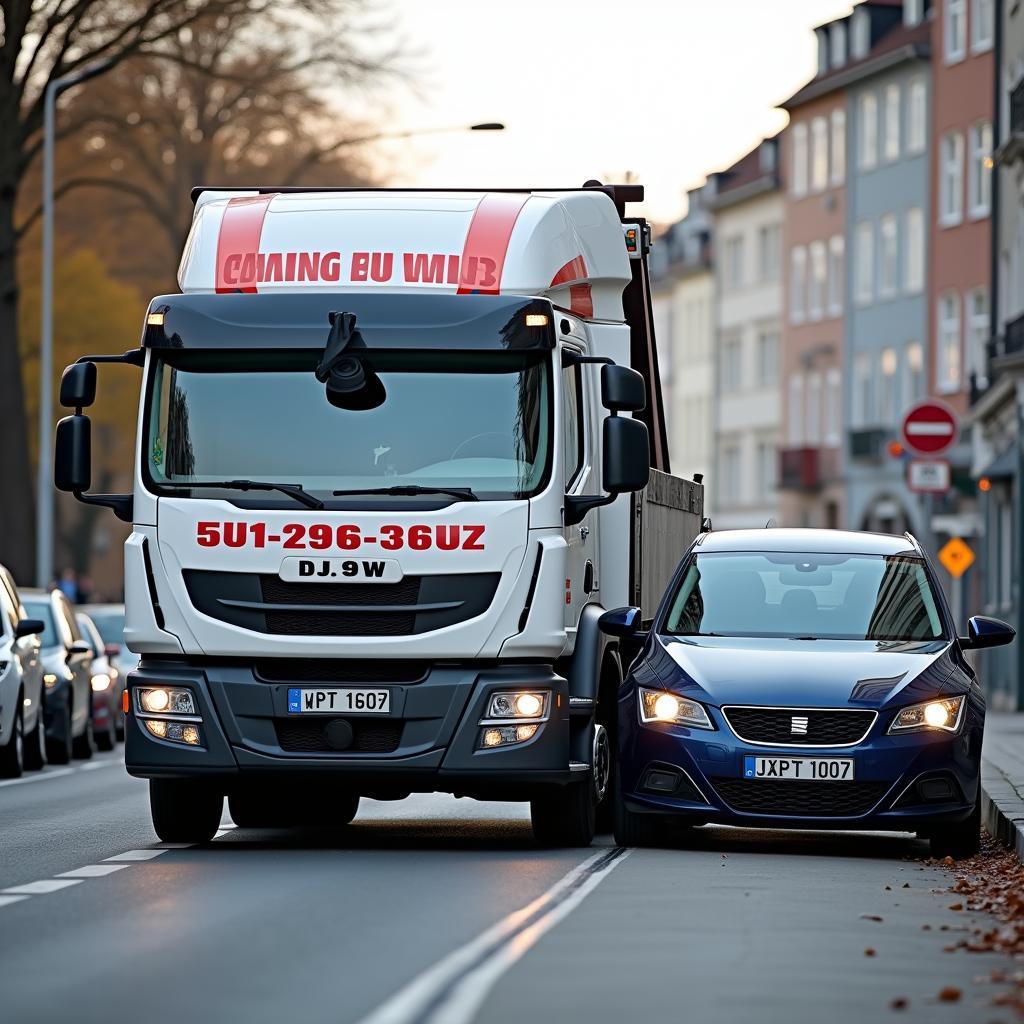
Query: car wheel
point(84, 746)
point(184, 810)
point(58, 748)
point(35, 745)
point(632, 829)
point(960, 840)
point(107, 739)
point(12, 753)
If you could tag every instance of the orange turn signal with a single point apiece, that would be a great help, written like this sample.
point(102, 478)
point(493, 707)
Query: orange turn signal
point(895, 449)
point(124, 701)
point(984, 484)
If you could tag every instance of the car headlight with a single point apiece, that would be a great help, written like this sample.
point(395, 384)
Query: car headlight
point(50, 679)
point(659, 706)
point(941, 714)
point(100, 681)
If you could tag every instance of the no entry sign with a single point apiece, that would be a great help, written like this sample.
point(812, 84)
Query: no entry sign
point(930, 428)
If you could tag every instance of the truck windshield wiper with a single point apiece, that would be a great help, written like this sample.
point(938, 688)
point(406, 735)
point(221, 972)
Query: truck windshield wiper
point(465, 493)
point(295, 491)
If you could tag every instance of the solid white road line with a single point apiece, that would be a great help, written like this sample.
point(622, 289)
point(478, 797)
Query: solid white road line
point(136, 855)
point(92, 871)
point(44, 885)
point(470, 971)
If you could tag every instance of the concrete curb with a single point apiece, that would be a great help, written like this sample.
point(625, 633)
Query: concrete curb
point(1002, 808)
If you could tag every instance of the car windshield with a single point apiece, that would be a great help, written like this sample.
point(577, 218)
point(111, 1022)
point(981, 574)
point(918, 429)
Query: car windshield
point(805, 596)
point(431, 419)
point(40, 608)
point(110, 624)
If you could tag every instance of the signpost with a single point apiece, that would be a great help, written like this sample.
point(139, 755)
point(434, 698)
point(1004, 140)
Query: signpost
point(930, 428)
point(928, 476)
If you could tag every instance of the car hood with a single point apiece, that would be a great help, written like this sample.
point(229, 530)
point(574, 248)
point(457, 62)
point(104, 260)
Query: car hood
point(802, 673)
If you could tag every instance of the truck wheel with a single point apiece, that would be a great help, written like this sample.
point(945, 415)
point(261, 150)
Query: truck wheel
point(567, 816)
point(960, 840)
point(184, 811)
point(631, 829)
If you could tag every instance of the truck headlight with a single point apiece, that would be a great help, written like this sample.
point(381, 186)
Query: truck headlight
point(165, 699)
point(943, 714)
point(659, 706)
point(524, 704)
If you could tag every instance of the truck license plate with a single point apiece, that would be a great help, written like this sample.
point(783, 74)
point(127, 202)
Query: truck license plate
point(331, 701)
point(340, 570)
point(812, 769)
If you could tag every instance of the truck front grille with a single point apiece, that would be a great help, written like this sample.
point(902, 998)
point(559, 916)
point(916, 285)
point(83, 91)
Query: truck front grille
point(309, 736)
point(339, 670)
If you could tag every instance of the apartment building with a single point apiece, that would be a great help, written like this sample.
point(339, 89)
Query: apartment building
point(748, 208)
point(682, 284)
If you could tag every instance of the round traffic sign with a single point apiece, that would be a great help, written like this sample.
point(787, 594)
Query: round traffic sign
point(930, 427)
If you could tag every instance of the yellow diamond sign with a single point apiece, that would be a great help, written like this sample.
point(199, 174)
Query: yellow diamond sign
point(957, 557)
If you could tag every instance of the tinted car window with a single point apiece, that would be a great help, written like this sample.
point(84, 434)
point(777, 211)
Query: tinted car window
point(778, 594)
point(40, 608)
point(110, 624)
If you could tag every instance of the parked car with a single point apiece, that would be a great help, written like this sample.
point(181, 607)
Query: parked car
point(107, 687)
point(22, 730)
point(802, 679)
point(109, 619)
point(67, 675)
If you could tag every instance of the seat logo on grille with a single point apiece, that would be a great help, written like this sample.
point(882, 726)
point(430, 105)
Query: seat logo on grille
point(798, 725)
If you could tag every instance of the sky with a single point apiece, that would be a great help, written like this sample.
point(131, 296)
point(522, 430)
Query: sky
point(668, 90)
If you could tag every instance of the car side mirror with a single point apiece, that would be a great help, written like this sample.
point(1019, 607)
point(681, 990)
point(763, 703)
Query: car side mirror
point(79, 647)
point(620, 621)
point(111, 650)
point(78, 386)
point(985, 632)
point(622, 389)
point(28, 627)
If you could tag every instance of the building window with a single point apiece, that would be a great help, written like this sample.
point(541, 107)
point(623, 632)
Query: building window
point(913, 12)
point(867, 149)
point(837, 40)
point(800, 159)
point(891, 145)
point(819, 154)
point(913, 374)
point(731, 474)
point(838, 146)
point(769, 248)
point(732, 263)
point(796, 410)
point(836, 274)
point(767, 461)
point(982, 25)
point(917, 116)
point(947, 348)
point(979, 183)
point(913, 251)
point(732, 363)
point(812, 424)
point(864, 286)
point(887, 365)
point(951, 179)
point(861, 29)
point(954, 30)
point(888, 263)
point(816, 286)
point(863, 412)
point(797, 283)
point(833, 407)
point(767, 357)
point(977, 336)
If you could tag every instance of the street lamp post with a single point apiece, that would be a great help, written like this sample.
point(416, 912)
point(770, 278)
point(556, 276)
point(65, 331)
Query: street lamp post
point(44, 482)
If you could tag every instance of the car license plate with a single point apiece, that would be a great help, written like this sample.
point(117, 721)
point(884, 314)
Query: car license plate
point(814, 769)
point(331, 701)
point(340, 570)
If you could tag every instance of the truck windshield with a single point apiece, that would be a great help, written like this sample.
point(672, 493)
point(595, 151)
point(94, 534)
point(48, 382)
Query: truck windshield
point(438, 420)
point(805, 596)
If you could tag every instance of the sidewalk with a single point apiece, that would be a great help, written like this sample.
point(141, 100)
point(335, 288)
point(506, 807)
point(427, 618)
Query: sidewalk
point(1002, 779)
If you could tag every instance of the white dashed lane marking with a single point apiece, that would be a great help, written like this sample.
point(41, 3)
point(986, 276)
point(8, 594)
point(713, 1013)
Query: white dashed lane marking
point(44, 885)
point(58, 773)
point(136, 855)
point(6, 901)
point(92, 871)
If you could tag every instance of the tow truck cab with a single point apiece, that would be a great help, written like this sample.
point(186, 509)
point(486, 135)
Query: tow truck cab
point(390, 448)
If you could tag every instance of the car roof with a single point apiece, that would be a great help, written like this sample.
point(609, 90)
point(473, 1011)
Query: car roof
point(812, 541)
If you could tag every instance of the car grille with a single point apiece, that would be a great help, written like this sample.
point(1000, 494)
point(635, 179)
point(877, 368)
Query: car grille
point(337, 670)
point(825, 728)
point(378, 736)
point(800, 799)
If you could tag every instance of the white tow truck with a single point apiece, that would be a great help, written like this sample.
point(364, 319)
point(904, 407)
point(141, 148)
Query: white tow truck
point(397, 452)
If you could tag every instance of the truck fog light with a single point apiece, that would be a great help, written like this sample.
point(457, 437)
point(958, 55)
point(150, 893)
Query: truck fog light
point(524, 704)
point(176, 732)
point(158, 729)
point(165, 698)
point(100, 681)
point(504, 735)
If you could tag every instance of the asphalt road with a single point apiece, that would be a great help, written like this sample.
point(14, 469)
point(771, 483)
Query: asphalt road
point(444, 911)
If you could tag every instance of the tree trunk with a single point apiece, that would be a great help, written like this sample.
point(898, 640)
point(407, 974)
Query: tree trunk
point(17, 538)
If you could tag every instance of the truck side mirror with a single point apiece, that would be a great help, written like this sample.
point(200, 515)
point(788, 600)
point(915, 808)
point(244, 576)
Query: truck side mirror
point(985, 632)
point(622, 389)
point(78, 386)
point(72, 467)
point(627, 455)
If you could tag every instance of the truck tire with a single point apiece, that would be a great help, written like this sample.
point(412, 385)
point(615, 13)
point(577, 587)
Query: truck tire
point(632, 829)
point(566, 816)
point(184, 811)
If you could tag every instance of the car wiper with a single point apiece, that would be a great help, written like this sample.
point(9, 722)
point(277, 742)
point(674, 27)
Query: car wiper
point(295, 491)
point(465, 493)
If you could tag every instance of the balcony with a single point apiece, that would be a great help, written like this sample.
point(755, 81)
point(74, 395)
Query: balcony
point(799, 469)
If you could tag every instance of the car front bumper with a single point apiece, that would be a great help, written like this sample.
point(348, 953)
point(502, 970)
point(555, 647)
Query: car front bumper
point(429, 742)
point(885, 794)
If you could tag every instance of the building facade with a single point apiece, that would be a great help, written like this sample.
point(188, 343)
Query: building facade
point(748, 210)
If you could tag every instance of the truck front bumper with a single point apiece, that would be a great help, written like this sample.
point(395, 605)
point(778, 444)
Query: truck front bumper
point(430, 741)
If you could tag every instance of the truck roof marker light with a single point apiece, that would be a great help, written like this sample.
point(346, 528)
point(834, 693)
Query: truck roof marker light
point(537, 319)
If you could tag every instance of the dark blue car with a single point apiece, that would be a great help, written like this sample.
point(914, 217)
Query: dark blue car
point(802, 679)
